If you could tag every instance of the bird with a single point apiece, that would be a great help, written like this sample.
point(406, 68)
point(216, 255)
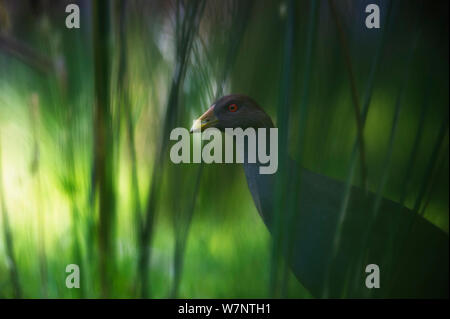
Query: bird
point(328, 256)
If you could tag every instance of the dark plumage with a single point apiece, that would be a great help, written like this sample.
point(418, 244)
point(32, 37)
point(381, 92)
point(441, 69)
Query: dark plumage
point(412, 253)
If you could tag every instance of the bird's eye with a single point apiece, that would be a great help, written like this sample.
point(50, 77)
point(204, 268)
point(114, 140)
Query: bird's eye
point(232, 107)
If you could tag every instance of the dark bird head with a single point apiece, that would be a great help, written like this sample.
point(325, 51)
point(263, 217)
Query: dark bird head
point(233, 111)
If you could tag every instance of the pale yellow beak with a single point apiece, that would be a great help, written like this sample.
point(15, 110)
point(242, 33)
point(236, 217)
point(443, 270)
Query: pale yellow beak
point(208, 119)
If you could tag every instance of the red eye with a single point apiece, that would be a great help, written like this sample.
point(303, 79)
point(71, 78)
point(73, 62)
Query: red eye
point(232, 107)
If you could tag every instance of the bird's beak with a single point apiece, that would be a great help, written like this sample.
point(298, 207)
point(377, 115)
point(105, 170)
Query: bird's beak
point(208, 119)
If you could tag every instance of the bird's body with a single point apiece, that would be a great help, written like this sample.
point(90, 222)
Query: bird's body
point(411, 253)
point(329, 255)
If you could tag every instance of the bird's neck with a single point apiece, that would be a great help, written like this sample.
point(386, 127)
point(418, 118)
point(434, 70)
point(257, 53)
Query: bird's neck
point(261, 186)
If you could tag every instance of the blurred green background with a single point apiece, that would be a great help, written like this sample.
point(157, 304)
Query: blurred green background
point(85, 116)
